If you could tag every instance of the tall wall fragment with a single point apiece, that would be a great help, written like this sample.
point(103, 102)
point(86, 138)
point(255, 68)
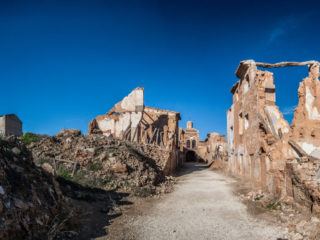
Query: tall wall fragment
point(305, 127)
point(123, 118)
point(262, 147)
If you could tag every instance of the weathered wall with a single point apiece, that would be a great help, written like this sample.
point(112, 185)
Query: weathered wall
point(262, 147)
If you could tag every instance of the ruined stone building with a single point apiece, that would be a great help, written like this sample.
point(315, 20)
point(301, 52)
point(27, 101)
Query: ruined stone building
point(196, 150)
point(10, 124)
point(262, 147)
point(131, 120)
point(189, 141)
point(191, 136)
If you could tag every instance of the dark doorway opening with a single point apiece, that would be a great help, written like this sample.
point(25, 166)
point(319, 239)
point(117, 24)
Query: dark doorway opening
point(191, 156)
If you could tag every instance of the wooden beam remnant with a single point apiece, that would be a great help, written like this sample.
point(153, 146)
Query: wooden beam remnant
point(154, 132)
point(286, 64)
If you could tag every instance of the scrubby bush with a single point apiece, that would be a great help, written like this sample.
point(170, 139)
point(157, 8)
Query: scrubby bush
point(28, 138)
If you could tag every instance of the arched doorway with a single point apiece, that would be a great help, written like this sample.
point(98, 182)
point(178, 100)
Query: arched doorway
point(191, 156)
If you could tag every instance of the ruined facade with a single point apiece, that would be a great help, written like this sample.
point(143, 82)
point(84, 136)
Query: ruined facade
point(131, 120)
point(191, 136)
point(189, 142)
point(197, 150)
point(262, 146)
point(10, 124)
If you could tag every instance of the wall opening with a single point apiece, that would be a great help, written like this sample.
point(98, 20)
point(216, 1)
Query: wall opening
point(193, 143)
point(240, 124)
point(191, 156)
point(287, 82)
point(246, 121)
point(188, 143)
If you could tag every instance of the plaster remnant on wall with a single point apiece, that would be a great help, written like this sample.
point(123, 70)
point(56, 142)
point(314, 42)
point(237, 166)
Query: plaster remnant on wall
point(312, 110)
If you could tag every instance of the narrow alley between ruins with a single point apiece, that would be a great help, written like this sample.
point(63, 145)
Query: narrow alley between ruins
point(202, 206)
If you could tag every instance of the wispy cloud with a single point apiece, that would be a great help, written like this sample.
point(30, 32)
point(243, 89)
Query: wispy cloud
point(289, 110)
point(285, 26)
point(277, 32)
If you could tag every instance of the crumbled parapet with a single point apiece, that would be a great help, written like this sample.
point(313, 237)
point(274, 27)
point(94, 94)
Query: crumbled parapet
point(30, 197)
point(98, 161)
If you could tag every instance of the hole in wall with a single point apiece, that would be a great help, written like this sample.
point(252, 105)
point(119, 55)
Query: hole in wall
point(286, 81)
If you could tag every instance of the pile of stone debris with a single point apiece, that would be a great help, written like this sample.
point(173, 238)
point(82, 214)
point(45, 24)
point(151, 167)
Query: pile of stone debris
point(299, 222)
point(98, 161)
point(31, 203)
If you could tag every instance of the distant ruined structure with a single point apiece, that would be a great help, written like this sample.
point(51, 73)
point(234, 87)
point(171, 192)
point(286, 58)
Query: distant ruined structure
point(131, 120)
point(209, 150)
point(10, 124)
point(262, 147)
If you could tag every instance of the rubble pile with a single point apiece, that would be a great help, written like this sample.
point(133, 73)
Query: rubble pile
point(304, 173)
point(99, 161)
point(299, 223)
point(30, 198)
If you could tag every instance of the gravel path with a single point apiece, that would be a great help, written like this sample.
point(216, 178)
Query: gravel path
point(202, 206)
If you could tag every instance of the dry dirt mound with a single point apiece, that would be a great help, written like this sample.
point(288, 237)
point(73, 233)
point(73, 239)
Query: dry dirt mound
point(31, 203)
point(100, 162)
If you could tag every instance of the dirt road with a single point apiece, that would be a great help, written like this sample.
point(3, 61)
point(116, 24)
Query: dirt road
point(202, 206)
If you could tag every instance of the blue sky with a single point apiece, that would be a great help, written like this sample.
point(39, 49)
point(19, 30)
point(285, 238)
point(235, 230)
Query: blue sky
point(64, 62)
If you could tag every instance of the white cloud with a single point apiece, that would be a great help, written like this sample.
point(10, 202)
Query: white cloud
point(289, 110)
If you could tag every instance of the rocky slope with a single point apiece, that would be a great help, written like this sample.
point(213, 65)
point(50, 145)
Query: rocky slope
point(101, 162)
point(31, 203)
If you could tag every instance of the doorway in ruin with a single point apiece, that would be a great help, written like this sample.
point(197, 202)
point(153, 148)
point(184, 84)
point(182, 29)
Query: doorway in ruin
point(191, 156)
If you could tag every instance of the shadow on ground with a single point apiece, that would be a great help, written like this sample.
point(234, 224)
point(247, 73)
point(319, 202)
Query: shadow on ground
point(96, 207)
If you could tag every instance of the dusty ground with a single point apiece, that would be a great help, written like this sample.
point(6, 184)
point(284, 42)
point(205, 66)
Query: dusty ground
point(202, 206)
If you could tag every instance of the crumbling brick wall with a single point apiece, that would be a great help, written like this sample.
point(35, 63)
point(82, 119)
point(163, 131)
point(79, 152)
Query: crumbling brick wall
point(253, 121)
point(131, 120)
point(262, 147)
